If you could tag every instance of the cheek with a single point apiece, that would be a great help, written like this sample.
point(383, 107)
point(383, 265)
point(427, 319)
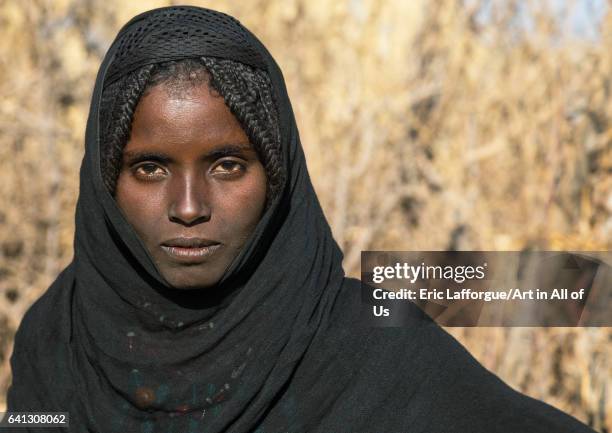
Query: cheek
point(240, 209)
point(142, 207)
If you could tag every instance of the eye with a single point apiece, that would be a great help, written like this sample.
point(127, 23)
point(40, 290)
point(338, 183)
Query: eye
point(228, 167)
point(149, 170)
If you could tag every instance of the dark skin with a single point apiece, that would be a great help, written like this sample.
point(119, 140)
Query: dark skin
point(189, 172)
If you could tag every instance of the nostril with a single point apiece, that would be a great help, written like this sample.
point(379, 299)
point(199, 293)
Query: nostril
point(189, 223)
point(189, 213)
point(187, 220)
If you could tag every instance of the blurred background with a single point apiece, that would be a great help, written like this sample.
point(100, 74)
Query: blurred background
point(427, 125)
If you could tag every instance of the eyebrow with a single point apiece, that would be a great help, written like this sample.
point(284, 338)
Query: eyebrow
point(228, 150)
point(219, 152)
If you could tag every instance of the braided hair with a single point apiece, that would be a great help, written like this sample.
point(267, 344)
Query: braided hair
point(246, 91)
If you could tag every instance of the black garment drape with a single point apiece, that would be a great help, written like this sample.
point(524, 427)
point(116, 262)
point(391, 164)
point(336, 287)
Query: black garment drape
point(278, 348)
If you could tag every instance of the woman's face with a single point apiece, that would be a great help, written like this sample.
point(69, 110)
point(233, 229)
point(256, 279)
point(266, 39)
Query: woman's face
point(190, 184)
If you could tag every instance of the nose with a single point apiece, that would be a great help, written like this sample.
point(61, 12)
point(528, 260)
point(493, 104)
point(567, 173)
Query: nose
point(188, 201)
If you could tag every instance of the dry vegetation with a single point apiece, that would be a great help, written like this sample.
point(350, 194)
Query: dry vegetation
point(427, 125)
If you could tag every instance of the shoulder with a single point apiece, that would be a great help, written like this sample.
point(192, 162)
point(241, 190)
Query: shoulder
point(39, 347)
point(48, 317)
point(422, 371)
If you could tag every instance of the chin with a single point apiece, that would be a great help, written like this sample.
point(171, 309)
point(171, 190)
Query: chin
point(186, 282)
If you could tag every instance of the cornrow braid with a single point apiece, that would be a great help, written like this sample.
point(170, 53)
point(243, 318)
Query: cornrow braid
point(119, 102)
point(246, 91)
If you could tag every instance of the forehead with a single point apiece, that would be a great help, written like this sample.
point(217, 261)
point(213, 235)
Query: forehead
point(196, 114)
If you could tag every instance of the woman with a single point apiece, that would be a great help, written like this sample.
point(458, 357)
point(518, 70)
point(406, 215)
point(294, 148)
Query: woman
point(206, 292)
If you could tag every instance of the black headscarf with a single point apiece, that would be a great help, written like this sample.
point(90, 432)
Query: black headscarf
point(279, 346)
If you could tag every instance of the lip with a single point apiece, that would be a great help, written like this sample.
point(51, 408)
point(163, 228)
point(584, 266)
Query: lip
point(185, 242)
point(190, 250)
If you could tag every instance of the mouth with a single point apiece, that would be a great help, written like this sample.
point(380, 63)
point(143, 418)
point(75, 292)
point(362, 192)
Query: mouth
point(190, 249)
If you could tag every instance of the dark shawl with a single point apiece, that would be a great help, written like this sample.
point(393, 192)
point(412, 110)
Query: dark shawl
point(280, 348)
